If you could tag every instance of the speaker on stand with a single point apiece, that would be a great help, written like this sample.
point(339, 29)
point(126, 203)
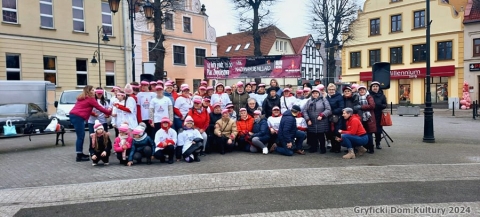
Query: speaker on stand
point(381, 73)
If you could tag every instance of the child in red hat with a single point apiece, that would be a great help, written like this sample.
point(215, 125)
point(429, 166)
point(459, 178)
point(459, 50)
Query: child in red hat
point(165, 141)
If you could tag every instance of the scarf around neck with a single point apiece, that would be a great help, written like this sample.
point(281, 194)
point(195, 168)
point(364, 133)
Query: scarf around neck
point(363, 101)
point(141, 137)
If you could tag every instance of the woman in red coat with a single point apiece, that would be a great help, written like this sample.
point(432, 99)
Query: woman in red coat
point(367, 115)
point(355, 136)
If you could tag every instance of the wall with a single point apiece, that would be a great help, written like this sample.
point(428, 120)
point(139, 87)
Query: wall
point(275, 51)
point(472, 31)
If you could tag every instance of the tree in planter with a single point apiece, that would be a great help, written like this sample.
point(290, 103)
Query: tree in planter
point(332, 20)
point(257, 25)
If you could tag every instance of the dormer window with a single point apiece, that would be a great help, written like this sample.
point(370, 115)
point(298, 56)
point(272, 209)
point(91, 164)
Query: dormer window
point(247, 46)
point(238, 47)
point(228, 49)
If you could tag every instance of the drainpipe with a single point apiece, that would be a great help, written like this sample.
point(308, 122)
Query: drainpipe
point(125, 59)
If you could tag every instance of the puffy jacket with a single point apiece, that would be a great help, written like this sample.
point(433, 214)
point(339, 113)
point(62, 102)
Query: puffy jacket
point(118, 148)
point(268, 105)
point(213, 120)
point(239, 100)
point(287, 128)
point(244, 126)
point(336, 104)
point(261, 130)
point(226, 128)
point(140, 145)
point(200, 120)
point(315, 108)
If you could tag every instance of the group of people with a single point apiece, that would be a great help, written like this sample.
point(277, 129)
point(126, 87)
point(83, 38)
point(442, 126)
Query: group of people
point(154, 120)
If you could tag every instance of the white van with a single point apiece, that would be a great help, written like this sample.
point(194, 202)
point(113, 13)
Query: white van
point(65, 104)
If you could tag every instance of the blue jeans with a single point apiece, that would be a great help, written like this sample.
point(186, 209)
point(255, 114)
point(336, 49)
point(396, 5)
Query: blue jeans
point(79, 126)
point(299, 138)
point(351, 141)
point(90, 130)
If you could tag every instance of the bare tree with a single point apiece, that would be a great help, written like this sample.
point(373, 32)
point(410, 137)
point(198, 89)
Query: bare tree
point(331, 18)
point(259, 21)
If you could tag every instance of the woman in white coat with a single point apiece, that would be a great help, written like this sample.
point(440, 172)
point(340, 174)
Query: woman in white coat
point(125, 110)
point(287, 100)
point(220, 96)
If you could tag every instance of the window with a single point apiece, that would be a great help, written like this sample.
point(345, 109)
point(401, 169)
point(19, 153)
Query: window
point(374, 56)
point(444, 50)
point(187, 24)
point(152, 56)
point(228, 49)
point(355, 59)
point(395, 0)
point(419, 19)
point(196, 83)
point(476, 47)
point(238, 47)
point(46, 14)
point(82, 79)
point(13, 66)
point(78, 19)
point(276, 45)
point(285, 46)
point(178, 55)
point(314, 52)
point(247, 46)
point(9, 11)
point(281, 45)
point(439, 89)
point(419, 53)
point(107, 19)
point(199, 56)
point(110, 73)
point(396, 23)
point(375, 26)
point(169, 21)
point(50, 69)
point(304, 73)
point(396, 55)
point(404, 90)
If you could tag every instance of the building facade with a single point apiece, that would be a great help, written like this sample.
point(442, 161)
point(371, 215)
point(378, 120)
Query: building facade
point(394, 31)
point(273, 42)
point(54, 40)
point(312, 60)
point(472, 47)
point(189, 39)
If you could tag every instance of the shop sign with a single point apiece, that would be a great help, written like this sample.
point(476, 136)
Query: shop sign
point(474, 67)
point(438, 71)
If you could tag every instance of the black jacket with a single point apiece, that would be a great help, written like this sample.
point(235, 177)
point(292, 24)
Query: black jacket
point(213, 119)
point(287, 128)
point(268, 105)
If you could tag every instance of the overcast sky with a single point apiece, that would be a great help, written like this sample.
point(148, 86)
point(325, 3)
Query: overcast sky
point(291, 16)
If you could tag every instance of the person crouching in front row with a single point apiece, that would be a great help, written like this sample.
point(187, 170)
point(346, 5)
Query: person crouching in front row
point(123, 143)
point(101, 145)
point(354, 137)
point(225, 133)
point(288, 134)
point(260, 133)
point(142, 146)
point(165, 139)
point(191, 140)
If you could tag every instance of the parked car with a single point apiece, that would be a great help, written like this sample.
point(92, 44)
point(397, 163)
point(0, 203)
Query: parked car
point(23, 113)
point(65, 104)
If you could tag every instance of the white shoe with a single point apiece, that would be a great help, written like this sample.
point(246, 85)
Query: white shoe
point(265, 150)
point(329, 144)
point(94, 164)
point(105, 164)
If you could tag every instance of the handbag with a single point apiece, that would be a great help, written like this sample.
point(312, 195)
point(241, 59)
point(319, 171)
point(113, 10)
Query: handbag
point(52, 127)
point(9, 129)
point(386, 119)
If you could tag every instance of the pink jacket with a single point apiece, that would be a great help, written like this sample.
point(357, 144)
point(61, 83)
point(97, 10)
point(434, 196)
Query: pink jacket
point(83, 108)
point(116, 145)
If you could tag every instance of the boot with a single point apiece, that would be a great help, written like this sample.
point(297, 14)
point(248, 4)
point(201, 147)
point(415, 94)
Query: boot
point(350, 154)
point(361, 150)
point(82, 157)
point(378, 145)
point(370, 149)
point(149, 161)
point(196, 157)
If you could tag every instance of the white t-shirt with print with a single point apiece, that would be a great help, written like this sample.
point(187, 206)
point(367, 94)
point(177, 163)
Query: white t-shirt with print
point(143, 100)
point(274, 122)
point(160, 108)
point(183, 104)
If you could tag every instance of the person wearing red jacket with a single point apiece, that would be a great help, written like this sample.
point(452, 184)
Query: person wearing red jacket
point(80, 113)
point(354, 135)
point(201, 120)
point(244, 126)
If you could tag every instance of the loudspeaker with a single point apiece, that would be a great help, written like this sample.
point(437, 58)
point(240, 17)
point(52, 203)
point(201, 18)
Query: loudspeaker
point(381, 73)
point(148, 77)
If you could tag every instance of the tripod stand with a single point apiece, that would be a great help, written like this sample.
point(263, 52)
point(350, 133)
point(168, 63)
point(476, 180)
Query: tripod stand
point(386, 137)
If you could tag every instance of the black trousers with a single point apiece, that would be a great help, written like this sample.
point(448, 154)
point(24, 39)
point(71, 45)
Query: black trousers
point(313, 139)
point(145, 152)
point(194, 150)
point(150, 130)
point(160, 154)
point(119, 157)
point(335, 144)
point(273, 139)
point(222, 146)
point(99, 157)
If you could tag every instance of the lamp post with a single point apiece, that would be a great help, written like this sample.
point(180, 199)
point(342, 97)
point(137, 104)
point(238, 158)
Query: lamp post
point(97, 53)
point(148, 11)
point(428, 135)
point(318, 45)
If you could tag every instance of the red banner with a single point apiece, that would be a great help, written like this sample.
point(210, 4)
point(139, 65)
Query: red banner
point(437, 71)
point(286, 66)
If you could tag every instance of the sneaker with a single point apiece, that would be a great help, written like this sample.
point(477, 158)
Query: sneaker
point(94, 164)
point(329, 144)
point(105, 164)
point(379, 147)
point(265, 150)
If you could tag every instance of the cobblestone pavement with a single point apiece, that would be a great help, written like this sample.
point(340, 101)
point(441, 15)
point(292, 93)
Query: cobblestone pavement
point(38, 174)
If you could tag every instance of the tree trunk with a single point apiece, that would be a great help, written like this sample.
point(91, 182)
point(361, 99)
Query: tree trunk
point(331, 66)
point(256, 34)
point(159, 39)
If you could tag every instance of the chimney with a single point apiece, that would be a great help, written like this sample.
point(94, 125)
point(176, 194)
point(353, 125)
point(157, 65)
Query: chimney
point(229, 33)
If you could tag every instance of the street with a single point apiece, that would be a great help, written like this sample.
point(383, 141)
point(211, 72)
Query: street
point(410, 178)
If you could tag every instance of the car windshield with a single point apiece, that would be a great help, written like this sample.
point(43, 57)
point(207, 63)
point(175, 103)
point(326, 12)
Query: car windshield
point(69, 97)
point(8, 109)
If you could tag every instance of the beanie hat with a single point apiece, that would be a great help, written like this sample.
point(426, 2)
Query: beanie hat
point(98, 125)
point(158, 87)
point(354, 86)
point(210, 88)
point(320, 87)
point(202, 88)
point(347, 88)
point(219, 84)
point(217, 104)
point(225, 111)
point(115, 88)
point(361, 86)
point(123, 127)
point(295, 108)
point(128, 89)
point(153, 83)
point(168, 83)
point(239, 84)
point(228, 88)
point(261, 85)
point(188, 119)
point(203, 83)
point(159, 82)
point(144, 83)
point(257, 112)
point(165, 119)
point(306, 89)
point(253, 83)
point(243, 110)
point(140, 129)
point(375, 82)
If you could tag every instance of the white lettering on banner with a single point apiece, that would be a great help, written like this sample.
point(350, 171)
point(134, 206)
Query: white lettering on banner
point(410, 73)
point(218, 72)
point(253, 68)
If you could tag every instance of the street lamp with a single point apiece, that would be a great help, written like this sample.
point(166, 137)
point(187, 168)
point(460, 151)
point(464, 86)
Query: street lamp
point(148, 11)
point(428, 134)
point(94, 61)
point(318, 45)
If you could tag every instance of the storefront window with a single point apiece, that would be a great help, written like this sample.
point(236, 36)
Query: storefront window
point(439, 89)
point(404, 90)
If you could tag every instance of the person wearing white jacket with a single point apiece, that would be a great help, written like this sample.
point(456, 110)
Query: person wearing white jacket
point(220, 96)
point(165, 141)
point(260, 94)
point(287, 100)
point(124, 111)
point(191, 140)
